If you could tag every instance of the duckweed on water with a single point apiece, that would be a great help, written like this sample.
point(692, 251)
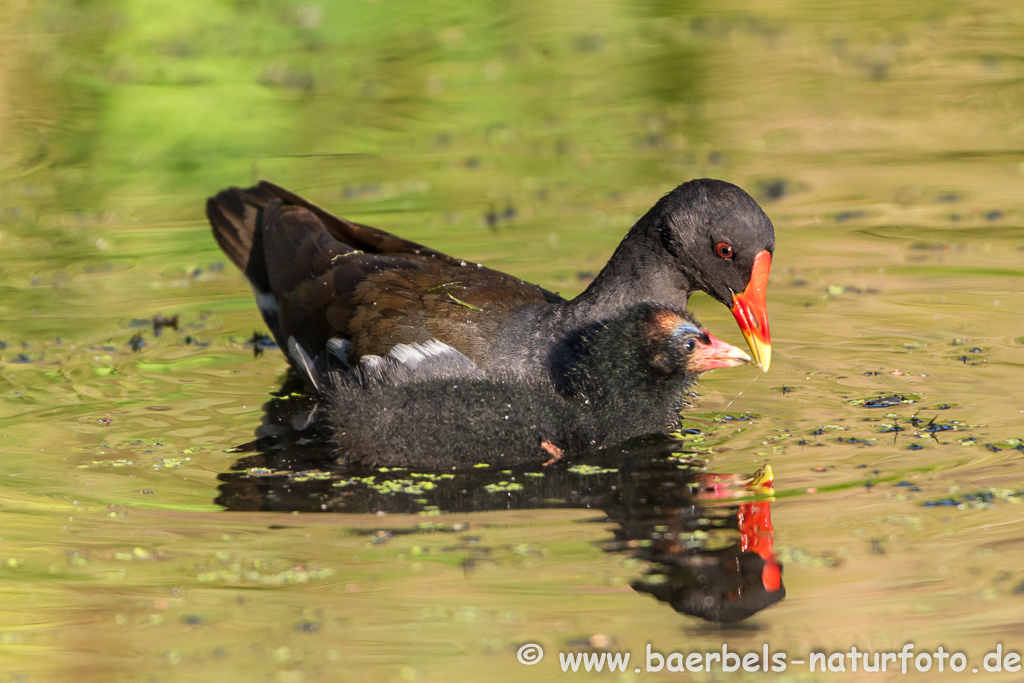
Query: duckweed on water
point(818, 431)
point(799, 556)
point(588, 470)
point(503, 486)
point(105, 463)
point(736, 417)
point(401, 486)
point(983, 498)
point(884, 401)
point(294, 575)
point(1015, 444)
point(169, 462)
point(135, 555)
point(311, 475)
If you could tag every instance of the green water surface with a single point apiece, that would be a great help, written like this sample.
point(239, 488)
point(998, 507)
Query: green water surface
point(884, 139)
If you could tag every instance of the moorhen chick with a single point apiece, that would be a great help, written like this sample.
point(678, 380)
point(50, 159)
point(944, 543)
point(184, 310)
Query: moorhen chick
point(320, 279)
point(429, 406)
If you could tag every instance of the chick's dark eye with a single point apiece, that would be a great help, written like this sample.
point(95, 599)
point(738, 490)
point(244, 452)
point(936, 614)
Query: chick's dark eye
point(724, 250)
point(690, 345)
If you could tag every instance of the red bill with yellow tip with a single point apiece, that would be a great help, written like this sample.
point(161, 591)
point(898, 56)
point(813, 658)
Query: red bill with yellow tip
point(750, 309)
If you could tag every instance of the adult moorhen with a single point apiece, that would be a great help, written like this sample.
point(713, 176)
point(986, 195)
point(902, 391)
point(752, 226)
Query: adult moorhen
point(318, 278)
point(429, 406)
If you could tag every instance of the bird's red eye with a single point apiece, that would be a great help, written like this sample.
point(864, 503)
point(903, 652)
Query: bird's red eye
point(724, 250)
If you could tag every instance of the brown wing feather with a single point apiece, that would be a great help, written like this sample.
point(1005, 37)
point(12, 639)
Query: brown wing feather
point(233, 214)
point(335, 278)
point(356, 235)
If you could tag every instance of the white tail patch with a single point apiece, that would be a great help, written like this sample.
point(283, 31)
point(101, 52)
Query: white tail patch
point(304, 363)
point(411, 355)
point(267, 303)
point(370, 361)
point(338, 348)
point(410, 363)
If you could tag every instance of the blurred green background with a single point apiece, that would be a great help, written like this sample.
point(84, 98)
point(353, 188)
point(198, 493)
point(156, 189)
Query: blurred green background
point(885, 140)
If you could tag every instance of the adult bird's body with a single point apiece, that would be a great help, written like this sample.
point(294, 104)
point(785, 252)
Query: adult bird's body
point(324, 283)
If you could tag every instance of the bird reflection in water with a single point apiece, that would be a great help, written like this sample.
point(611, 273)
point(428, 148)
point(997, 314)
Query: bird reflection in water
point(706, 536)
point(712, 554)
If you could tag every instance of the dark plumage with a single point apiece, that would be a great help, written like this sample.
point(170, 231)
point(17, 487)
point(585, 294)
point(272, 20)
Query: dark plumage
point(428, 406)
point(318, 278)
